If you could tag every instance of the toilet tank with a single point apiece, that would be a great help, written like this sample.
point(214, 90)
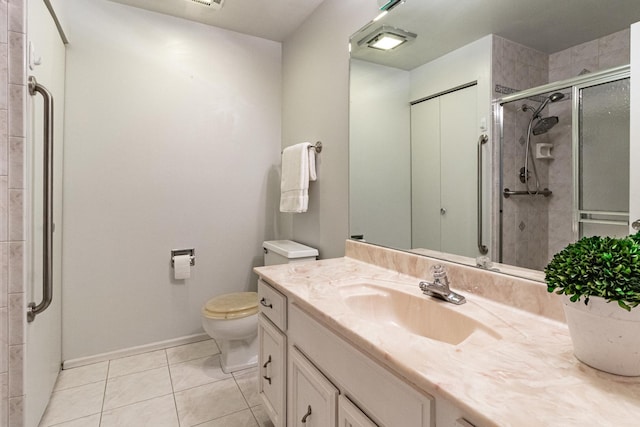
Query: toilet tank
point(287, 251)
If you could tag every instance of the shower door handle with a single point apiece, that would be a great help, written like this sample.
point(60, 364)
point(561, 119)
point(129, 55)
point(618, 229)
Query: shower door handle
point(47, 202)
point(481, 141)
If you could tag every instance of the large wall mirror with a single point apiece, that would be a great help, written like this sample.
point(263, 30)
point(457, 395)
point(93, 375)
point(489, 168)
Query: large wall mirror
point(493, 133)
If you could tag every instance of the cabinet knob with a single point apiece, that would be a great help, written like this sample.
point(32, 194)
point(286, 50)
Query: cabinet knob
point(443, 211)
point(307, 415)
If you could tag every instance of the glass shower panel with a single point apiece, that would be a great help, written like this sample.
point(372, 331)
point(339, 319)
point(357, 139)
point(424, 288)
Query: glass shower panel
point(604, 151)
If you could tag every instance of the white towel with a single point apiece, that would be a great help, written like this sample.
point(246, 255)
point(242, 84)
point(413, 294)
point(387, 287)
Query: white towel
point(298, 168)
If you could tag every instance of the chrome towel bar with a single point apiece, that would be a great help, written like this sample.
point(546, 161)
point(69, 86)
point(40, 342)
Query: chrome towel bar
point(317, 147)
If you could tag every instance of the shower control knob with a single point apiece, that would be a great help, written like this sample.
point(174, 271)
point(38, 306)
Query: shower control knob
point(443, 211)
point(636, 225)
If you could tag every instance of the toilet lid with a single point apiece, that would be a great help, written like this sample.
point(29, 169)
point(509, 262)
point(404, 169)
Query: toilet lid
point(232, 306)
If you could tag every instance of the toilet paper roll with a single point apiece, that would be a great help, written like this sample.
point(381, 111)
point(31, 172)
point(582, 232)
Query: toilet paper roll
point(181, 267)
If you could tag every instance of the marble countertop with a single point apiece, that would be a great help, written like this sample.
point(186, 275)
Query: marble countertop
point(529, 376)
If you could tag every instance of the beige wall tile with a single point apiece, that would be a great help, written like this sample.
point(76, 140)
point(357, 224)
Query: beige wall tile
point(16, 162)
point(15, 274)
point(4, 342)
point(4, 399)
point(16, 357)
point(4, 209)
point(16, 414)
point(16, 215)
point(4, 154)
point(12, 309)
point(4, 76)
point(4, 273)
point(3, 20)
point(17, 99)
point(17, 16)
point(16, 57)
point(17, 313)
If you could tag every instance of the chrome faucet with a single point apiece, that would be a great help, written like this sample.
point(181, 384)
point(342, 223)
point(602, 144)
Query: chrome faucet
point(439, 288)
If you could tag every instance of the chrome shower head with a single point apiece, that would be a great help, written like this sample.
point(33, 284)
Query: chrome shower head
point(544, 125)
point(556, 96)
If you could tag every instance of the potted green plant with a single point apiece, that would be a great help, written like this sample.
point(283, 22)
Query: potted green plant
point(599, 281)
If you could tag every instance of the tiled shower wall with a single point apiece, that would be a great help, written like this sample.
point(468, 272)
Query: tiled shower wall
point(537, 227)
point(12, 140)
point(517, 67)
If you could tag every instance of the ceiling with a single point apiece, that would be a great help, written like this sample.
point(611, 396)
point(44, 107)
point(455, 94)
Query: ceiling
point(268, 19)
point(546, 25)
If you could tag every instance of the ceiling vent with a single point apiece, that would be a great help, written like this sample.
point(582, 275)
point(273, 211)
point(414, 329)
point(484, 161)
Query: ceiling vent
point(215, 4)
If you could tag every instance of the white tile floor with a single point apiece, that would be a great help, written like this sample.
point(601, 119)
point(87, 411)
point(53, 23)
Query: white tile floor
point(176, 387)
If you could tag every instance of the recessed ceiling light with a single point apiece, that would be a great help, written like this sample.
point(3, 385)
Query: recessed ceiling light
point(386, 38)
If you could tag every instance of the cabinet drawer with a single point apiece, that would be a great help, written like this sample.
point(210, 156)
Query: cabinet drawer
point(273, 305)
point(272, 359)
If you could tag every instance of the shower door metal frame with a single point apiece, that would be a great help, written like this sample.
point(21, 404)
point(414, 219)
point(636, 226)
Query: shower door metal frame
point(575, 84)
point(576, 101)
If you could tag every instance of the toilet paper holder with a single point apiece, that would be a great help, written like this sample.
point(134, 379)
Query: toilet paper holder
point(178, 252)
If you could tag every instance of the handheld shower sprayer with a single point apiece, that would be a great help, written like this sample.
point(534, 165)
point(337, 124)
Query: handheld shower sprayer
point(557, 96)
point(541, 127)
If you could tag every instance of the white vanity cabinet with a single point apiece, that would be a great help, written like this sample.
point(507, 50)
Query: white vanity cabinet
point(380, 395)
point(272, 353)
point(328, 382)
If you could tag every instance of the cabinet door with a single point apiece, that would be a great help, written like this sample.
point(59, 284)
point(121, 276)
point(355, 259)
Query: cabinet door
point(312, 398)
point(350, 416)
point(272, 370)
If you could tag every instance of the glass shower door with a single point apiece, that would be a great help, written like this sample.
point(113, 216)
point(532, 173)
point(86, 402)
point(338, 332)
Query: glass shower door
point(601, 152)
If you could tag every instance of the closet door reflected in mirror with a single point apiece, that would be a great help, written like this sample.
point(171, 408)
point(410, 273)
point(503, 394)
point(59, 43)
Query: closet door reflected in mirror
point(443, 173)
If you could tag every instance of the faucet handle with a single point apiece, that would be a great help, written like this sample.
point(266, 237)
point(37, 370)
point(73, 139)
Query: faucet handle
point(438, 271)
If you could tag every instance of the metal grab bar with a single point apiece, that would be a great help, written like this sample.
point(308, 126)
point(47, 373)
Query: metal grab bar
point(47, 202)
point(481, 141)
point(546, 193)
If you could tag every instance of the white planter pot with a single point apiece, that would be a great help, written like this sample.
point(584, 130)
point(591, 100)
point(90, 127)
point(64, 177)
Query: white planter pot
point(605, 336)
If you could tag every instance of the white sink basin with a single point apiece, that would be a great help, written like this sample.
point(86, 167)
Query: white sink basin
point(418, 314)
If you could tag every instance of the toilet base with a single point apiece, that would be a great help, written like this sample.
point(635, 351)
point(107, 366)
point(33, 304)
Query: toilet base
point(238, 354)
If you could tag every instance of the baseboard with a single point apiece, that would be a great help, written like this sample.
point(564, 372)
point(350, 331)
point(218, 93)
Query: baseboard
point(131, 351)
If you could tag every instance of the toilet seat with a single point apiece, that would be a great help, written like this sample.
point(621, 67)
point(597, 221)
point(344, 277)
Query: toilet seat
point(231, 306)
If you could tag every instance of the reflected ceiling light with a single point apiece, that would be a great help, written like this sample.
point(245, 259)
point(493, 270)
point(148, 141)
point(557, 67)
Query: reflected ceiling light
point(387, 5)
point(216, 4)
point(386, 38)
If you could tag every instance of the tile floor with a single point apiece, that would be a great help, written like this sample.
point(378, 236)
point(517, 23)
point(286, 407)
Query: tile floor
point(177, 387)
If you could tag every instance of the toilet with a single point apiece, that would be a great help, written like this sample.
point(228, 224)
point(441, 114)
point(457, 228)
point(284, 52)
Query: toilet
point(232, 319)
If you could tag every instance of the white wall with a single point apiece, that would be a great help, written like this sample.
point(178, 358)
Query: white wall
point(172, 141)
point(315, 68)
point(634, 157)
point(380, 154)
